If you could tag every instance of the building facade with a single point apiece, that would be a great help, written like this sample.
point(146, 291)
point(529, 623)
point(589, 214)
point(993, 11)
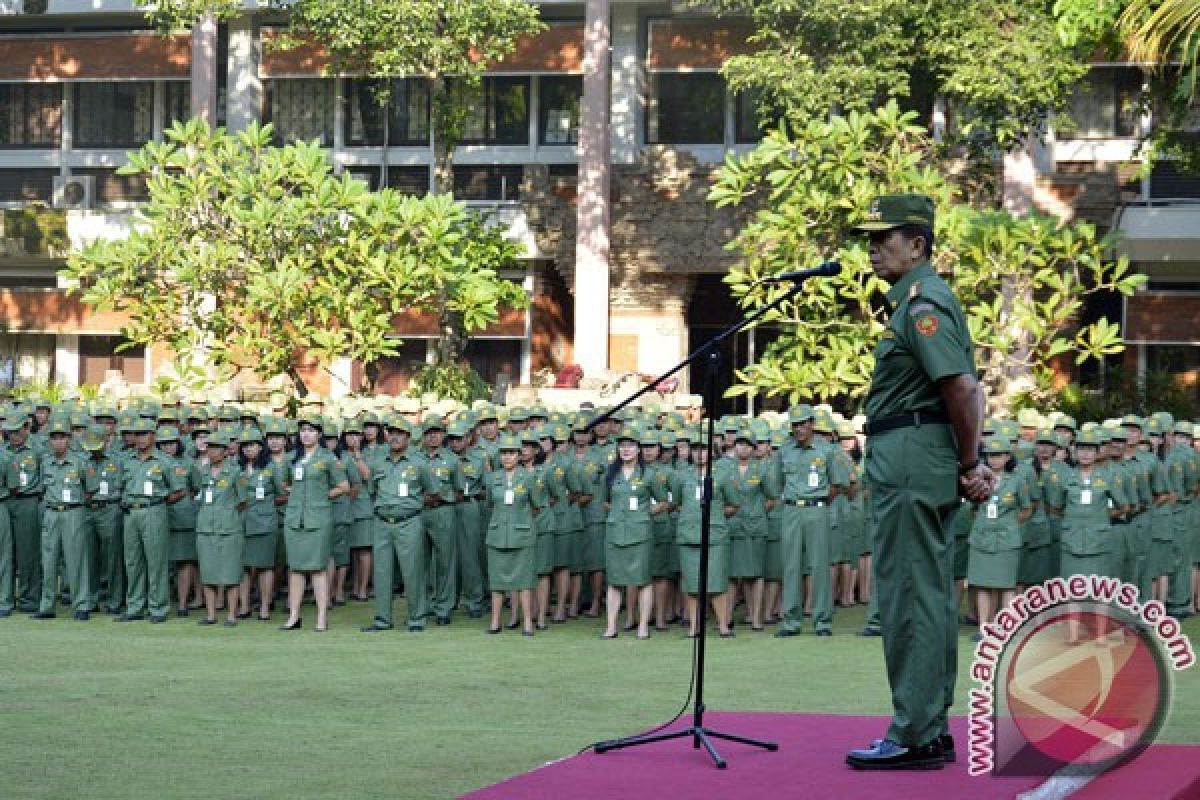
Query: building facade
point(630, 283)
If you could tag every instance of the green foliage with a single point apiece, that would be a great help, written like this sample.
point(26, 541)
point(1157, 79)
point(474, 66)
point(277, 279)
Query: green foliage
point(170, 16)
point(1001, 66)
point(450, 382)
point(1122, 392)
point(251, 254)
point(1023, 281)
point(37, 230)
point(51, 391)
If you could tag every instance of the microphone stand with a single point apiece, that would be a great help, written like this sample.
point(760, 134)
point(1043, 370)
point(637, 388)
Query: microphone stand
point(699, 734)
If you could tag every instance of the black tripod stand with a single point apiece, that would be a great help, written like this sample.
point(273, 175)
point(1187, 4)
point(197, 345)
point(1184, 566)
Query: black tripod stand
point(699, 734)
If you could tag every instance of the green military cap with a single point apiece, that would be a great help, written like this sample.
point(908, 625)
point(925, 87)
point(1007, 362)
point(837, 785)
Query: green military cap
point(433, 423)
point(629, 433)
point(845, 430)
point(668, 438)
point(93, 439)
point(778, 438)
point(509, 442)
point(1093, 437)
point(274, 426)
point(459, 427)
point(395, 422)
point(487, 412)
point(169, 433)
point(731, 425)
point(200, 426)
point(309, 416)
point(1166, 420)
point(1008, 428)
point(562, 433)
point(250, 433)
point(80, 419)
point(744, 434)
point(688, 434)
point(530, 436)
point(801, 412)
point(1133, 421)
point(125, 422)
point(351, 425)
point(997, 446)
point(197, 413)
point(823, 423)
point(227, 414)
point(539, 411)
point(990, 426)
point(105, 411)
point(648, 436)
point(59, 423)
point(582, 420)
point(14, 421)
point(893, 210)
point(1029, 418)
point(221, 438)
point(142, 425)
point(371, 418)
point(168, 415)
point(1184, 428)
point(1068, 422)
point(1153, 426)
point(37, 401)
point(332, 428)
point(518, 414)
point(1047, 436)
point(1116, 433)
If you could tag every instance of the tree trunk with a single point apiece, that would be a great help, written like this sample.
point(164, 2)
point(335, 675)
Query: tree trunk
point(443, 135)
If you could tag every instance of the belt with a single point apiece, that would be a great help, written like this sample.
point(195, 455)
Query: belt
point(64, 507)
point(143, 504)
point(396, 519)
point(911, 419)
point(27, 496)
point(815, 503)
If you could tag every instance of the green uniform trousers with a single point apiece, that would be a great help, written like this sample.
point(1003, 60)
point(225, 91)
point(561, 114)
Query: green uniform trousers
point(1179, 585)
point(471, 554)
point(147, 536)
point(26, 520)
point(6, 559)
point(806, 543)
point(64, 535)
point(107, 549)
point(443, 560)
point(914, 478)
point(400, 543)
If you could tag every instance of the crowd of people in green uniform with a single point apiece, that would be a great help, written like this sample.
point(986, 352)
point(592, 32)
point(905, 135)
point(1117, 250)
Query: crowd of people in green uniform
point(529, 517)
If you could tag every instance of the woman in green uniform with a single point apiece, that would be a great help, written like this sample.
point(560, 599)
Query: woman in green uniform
point(358, 470)
point(568, 536)
point(688, 535)
point(663, 479)
point(773, 559)
point(220, 486)
point(591, 463)
point(995, 538)
point(315, 479)
point(513, 499)
point(749, 491)
point(266, 492)
point(275, 430)
point(850, 531)
point(182, 519)
point(343, 516)
point(629, 541)
point(533, 459)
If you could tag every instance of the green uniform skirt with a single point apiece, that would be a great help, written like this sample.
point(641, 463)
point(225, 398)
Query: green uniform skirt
point(962, 555)
point(749, 557)
point(628, 565)
point(308, 549)
point(718, 568)
point(661, 558)
point(594, 555)
point(1098, 564)
point(258, 552)
point(544, 556)
point(360, 533)
point(1036, 565)
point(183, 546)
point(564, 541)
point(220, 556)
point(511, 569)
point(341, 544)
point(773, 565)
point(993, 570)
point(576, 543)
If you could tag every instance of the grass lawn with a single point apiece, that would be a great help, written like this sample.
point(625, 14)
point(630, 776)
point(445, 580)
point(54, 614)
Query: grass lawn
point(99, 710)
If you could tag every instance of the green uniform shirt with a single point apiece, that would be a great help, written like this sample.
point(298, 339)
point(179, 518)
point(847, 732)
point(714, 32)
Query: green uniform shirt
point(310, 479)
point(995, 526)
point(806, 472)
point(749, 491)
point(151, 479)
point(447, 473)
point(219, 494)
point(629, 502)
point(399, 484)
point(103, 478)
point(926, 339)
point(513, 500)
point(63, 480)
point(25, 469)
point(1085, 503)
point(263, 485)
point(691, 499)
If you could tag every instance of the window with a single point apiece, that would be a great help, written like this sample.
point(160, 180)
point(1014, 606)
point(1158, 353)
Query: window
point(99, 354)
point(558, 109)
point(177, 98)
point(27, 185)
point(749, 122)
point(498, 112)
point(407, 120)
point(30, 115)
point(301, 108)
point(393, 374)
point(686, 109)
point(497, 183)
point(1106, 104)
point(114, 114)
point(113, 188)
point(493, 357)
point(26, 358)
point(405, 180)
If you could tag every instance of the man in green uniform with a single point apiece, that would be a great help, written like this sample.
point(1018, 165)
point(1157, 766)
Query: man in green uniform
point(25, 510)
point(149, 482)
point(440, 523)
point(6, 539)
point(469, 517)
point(63, 528)
point(105, 540)
point(400, 484)
point(924, 411)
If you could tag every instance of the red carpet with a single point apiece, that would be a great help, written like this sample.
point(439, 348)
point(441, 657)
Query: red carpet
point(809, 765)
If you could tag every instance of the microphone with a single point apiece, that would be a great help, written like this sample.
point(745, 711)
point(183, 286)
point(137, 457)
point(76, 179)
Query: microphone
point(826, 270)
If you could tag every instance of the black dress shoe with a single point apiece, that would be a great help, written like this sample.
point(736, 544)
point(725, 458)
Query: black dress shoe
point(82, 616)
point(158, 619)
point(443, 620)
point(43, 615)
point(206, 621)
point(785, 633)
point(884, 754)
point(130, 618)
point(824, 632)
point(870, 630)
point(297, 625)
point(375, 627)
point(512, 626)
point(493, 631)
point(416, 629)
point(728, 635)
point(26, 608)
point(947, 743)
point(244, 616)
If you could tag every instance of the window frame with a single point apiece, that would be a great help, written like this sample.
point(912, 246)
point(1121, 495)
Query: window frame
point(27, 86)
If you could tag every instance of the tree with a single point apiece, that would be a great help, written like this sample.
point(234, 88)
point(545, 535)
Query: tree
point(255, 255)
point(998, 64)
point(1021, 279)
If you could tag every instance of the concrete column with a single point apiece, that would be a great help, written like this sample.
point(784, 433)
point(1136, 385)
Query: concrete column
point(204, 69)
point(341, 376)
point(66, 359)
point(1021, 170)
point(592, 211)
point(244, 103)
point(627, 82)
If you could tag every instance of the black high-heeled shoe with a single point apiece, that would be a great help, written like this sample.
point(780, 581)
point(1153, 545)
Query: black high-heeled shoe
point(512, 626)
point(297, 625)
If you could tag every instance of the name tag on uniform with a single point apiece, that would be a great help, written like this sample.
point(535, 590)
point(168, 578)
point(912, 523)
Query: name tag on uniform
point(260, 493)
point(24, 479)
point(814, 480)
point(699, 492)
point(670, 497)
point(1085, 497)
point(148, 488)
point(103, 489)
point(1110, 503)
point(297, 473)
point(992, 511)
point(402, 490)
point(66, 495)
point(466, 487)
point(510, 497)
point(208, 496)
point(633, 504)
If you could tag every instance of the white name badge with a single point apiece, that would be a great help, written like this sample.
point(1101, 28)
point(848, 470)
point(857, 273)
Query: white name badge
point(24, 479)
point(260, 493)
point(992, 511)
point(510, 497)
point(208, 496)
point(148, 488)
point(633, 504)
point(814, 480)
point(699, 492)
point(297, 473)
point(402, 490)
point(670, 497)
point(66, 495)
point(466, 487)
point(1085, 497)
point(103, 489)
